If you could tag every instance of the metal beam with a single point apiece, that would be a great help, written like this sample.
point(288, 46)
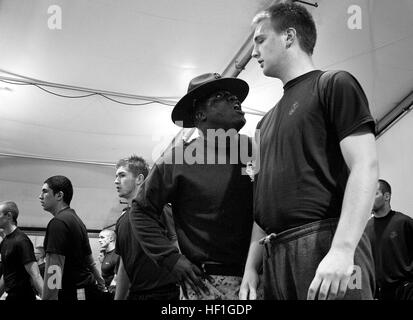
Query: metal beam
point(392, 117)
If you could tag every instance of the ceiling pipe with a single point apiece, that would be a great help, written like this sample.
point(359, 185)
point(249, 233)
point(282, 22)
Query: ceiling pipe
point(243, 56)
point(240, 60)
point(393, 116)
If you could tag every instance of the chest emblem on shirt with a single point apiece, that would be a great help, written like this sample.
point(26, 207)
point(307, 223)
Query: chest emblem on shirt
point(293, 108)
point(393, 234)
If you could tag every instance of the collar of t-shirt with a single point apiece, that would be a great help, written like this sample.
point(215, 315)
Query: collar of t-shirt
point(294, 81)
point(391, 213)
point(11, 233)
point(62, 210)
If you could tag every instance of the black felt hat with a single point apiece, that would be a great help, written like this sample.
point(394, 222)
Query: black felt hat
point(200, 87)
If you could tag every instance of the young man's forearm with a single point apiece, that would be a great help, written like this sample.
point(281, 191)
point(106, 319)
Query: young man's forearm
point(357, 204)
point(122, 283)
point(254, 260)
point(37, 281)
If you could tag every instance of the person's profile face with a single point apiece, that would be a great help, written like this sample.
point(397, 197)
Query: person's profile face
point(104, 240)
point(269, 48)
point(223, 110)
point(47, 198)
point(379, 199)
point(4, 219)
point(125, 183)
point(38, 254)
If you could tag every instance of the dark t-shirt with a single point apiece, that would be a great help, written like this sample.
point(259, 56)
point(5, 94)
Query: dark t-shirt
point(302, 174)
point(211, 204)
point(391, 239)
point(16, 251)
point(66, 235)
point(109, 266)
point(143, 273)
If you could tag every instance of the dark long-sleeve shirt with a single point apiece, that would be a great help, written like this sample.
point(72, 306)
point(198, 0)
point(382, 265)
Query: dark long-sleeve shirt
point(391, 237)
point(211, 203)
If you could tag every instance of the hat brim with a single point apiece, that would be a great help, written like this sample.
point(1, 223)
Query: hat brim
point(183, 112)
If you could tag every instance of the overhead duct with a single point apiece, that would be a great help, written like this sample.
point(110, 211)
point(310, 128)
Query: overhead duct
point(394, 115)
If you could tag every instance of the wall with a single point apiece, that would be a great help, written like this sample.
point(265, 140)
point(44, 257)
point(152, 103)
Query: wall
point(396, 163)
point(95, 198)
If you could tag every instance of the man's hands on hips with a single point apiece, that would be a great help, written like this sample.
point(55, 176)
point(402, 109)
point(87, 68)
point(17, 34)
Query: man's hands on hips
point(189, 275)
point(332, 275)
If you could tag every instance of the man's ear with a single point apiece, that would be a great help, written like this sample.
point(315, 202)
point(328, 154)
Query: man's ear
point(387, 196)
point(59, 195)
point(139, 179)
point(291, 36)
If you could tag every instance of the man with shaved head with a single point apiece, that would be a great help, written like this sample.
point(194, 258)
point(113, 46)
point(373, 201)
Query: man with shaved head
point(18, 260)
point(107, 241)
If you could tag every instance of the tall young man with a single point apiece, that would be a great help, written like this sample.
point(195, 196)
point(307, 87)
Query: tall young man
point(318, 170)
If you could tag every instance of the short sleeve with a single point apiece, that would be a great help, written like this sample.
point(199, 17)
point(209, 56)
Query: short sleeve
point(347, 105)
point(57, 238)
point(26, 251)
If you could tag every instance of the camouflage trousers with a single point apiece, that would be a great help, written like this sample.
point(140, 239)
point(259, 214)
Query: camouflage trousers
point(220, 288)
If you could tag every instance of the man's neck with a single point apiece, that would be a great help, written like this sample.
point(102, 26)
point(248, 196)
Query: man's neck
point(60, 206)
point(297, 66)
point(110, 247)
point(9, 229)
point(131, 197)
point(382, 212)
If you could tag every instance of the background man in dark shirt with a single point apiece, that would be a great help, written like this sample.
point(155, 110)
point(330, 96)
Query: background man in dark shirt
point(139, 277)
point(210, 196)
point(318, 170)
point(110, 262)
point(391, 236)
point(70, 271)
point(19, 263)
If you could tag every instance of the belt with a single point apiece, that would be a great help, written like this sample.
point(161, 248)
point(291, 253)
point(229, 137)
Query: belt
point(220, 269)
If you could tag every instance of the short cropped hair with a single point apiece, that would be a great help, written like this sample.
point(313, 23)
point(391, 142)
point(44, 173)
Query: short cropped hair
point(384, 186)
point(61, 183)
point(291, 15)
point(135, 164)
point(110, 233)
point(10, 207)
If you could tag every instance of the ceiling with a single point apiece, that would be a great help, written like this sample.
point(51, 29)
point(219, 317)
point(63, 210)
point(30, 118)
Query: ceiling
point(152, 49)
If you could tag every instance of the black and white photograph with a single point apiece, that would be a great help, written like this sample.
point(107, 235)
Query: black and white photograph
point(169, 152)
